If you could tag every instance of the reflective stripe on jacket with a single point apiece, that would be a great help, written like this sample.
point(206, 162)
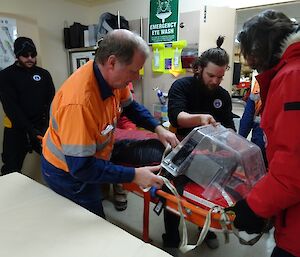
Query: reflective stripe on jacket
point(82, 121)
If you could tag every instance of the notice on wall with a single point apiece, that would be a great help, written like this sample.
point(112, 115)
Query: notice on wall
point(80, 58)
point(8, 34)
point(163, 21)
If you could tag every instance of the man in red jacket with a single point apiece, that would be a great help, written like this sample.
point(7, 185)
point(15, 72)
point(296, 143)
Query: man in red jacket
point(270, 42)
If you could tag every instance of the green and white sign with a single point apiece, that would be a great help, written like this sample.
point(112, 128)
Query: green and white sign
point(163, 21)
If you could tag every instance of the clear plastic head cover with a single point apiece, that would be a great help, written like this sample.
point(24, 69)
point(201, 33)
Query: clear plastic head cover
point(218, 159)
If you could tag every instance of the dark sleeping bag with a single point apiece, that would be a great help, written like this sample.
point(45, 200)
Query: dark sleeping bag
point(138, 153)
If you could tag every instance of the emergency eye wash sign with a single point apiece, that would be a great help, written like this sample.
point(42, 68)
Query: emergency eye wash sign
point(163, 21)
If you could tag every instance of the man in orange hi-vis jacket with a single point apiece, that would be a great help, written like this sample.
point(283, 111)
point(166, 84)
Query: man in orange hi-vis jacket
point(79, 141)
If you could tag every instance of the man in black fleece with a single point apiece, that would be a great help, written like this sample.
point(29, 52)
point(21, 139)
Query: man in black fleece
point(26, 92)
point(196, 101)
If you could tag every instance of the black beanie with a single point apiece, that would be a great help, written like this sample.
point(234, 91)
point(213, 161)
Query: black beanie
point(24, 45)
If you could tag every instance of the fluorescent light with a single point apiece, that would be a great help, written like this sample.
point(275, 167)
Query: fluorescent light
point(243, 4)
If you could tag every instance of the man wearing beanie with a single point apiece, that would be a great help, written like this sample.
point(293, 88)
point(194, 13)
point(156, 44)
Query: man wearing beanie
point(26, 92)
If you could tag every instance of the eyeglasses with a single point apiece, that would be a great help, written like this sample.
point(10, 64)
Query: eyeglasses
point(26, 55)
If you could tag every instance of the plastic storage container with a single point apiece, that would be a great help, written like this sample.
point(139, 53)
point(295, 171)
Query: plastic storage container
point(160, 112)
point(222, 162)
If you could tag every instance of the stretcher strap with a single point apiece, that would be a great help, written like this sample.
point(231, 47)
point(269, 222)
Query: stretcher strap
point(184, 246)
point(224, 222)
point(184, 242)
point(224, 219)
point(224, 194)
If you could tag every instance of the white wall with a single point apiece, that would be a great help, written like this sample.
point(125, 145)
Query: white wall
point(49, 17)
point(134, 9)
point(213, 26)
point(217, 25)
point(43, 21)
point(292, 10)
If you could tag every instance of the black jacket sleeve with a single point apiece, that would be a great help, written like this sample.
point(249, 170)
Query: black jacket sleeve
point(227, 120)
point(177, 101)
point(8, 97)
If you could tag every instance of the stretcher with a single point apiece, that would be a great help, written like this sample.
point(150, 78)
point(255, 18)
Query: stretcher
point(222, 168)
point(191, 211)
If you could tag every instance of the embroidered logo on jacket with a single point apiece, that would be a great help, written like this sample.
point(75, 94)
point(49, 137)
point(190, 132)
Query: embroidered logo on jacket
point(217, 103)
point(36, 77)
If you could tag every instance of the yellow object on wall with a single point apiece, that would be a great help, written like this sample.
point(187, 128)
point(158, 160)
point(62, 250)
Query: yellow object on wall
point(167, 57)
point(158, 57)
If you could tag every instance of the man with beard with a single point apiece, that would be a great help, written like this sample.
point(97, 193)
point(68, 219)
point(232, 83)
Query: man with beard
point(196, 101)
point(26, 92)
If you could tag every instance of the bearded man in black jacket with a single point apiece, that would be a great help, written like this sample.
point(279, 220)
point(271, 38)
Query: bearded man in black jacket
point(26, 92)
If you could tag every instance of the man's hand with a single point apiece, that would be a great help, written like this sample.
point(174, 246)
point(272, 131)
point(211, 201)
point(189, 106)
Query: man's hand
point(35, 134)
point(145, 177)
point(192, 120)
point(166, 137)
point(34, 140)
point(206, 119)
point(246, 219)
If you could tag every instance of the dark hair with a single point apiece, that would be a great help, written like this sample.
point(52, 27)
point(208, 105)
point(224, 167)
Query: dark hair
point(216, 55)
point(262, 35)
point(121, 43)
point(23, 46)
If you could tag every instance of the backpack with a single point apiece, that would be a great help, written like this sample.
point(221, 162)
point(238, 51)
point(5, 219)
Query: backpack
point(74, 36)
point(108, 22)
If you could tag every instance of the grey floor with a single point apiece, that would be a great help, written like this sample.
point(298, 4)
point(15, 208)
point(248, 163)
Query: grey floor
point(131, 221)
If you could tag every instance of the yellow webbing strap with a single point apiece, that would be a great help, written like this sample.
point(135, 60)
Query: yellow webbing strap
point(6, 122)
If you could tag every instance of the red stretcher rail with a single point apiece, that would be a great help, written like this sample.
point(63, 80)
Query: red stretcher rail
point(192, 212)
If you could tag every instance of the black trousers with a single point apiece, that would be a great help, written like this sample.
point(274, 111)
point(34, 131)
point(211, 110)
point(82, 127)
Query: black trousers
point(172, 220)
point(278, 252)
point(16, 145)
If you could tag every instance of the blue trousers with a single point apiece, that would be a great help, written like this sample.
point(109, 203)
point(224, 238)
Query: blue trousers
point(87, 195)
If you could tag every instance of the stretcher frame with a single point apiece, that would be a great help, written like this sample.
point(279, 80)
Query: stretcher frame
point(191, 212)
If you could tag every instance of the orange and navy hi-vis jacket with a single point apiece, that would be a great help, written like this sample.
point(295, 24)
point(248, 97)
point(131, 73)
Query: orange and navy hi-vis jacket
point(83, 117)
